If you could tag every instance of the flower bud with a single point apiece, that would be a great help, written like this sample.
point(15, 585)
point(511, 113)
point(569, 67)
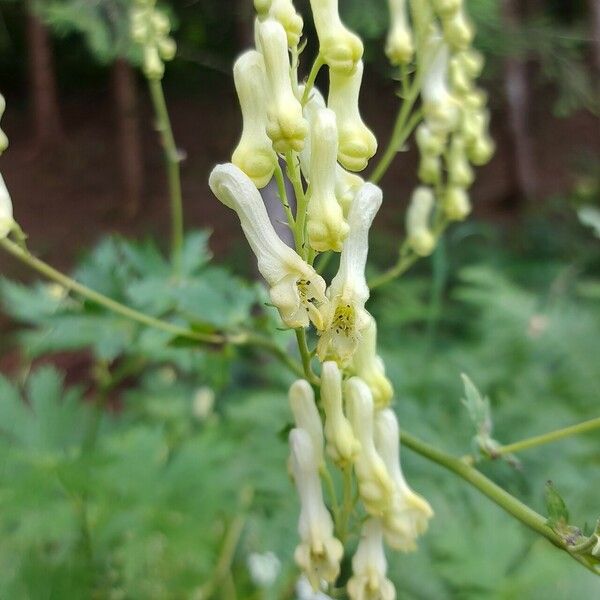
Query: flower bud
point(254, 153)
point(326, 226)
point(375, 485)
point(262, 7)
point(430, 169)
point(339, 47)
point(446, 8)
point(285, 124)
point(456, 203)
point(7, 222)
point(306, 415)
point(153, 66)
point(319, 552)
point(367, 365)
point(460, 172)
point(296, 289)
point(284, 12)
point(346, 187)
point(409, 514)
point(481, 150)
point(357, 144)
point(167, 48)
point(430, 143)
point(399, 46)
point(458, 30)
point(345, 316)
point(342, 446)
point(3, 138)
point(369, 566)
point(418, 215)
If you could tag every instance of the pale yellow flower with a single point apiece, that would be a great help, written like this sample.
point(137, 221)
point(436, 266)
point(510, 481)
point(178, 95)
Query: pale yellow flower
point(306, 415)
point(399, 46)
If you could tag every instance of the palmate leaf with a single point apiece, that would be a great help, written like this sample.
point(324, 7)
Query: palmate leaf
point(31, 304)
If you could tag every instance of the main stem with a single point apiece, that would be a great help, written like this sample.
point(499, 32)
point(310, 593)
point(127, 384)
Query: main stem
point(172, 160)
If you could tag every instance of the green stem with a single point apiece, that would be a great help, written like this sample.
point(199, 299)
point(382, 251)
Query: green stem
point(301, 203)
point(494, 492)
point(310, 82)
point(172, 160)
point(284, 200)
point(305, 356)
point(548, 438)
point(402, 129)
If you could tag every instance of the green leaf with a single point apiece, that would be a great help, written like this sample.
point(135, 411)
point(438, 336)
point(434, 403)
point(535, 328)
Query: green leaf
point(558, 514)
point(478, 407)
point(195, 252)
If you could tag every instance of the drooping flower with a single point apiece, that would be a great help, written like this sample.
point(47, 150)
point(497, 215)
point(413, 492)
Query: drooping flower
point(399, 46)
point(357, 144)
point(458, 30)
point(369, 566)
point(345, 316)
point(460, 172)
point(418, 215)
point(367, 365)
point(319, 552)
point(254, 153)
point(409, 514)
point(296, 289)
point(342, 444)
point(340, 48)
point(456, 203)
point(306, 415)
point(326, 226)
point(375, 484)
point(286, 126)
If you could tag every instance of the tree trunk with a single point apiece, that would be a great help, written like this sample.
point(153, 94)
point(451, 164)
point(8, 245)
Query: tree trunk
point(517, 92)
point(131, 164)
point(595, 31)
point(46, 118)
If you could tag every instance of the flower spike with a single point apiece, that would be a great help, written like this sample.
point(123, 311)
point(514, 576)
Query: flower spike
point(295, 288)
point(319, 552)
point(409, 515)
point(254, 153)
point(357, 144)
point(345, 316)
point(285, 126)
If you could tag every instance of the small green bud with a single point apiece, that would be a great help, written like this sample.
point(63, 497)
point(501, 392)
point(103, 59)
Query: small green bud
point(167, 48)
point(430, 169)
point(456, 203)
point(458, 31)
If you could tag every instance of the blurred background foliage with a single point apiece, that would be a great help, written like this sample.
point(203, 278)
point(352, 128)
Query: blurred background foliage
point(137, 465)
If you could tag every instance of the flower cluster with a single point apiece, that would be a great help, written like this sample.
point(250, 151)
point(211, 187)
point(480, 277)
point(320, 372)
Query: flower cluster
point(454, 134)
point(7, 223)
point(342, 415)
point(150, 29)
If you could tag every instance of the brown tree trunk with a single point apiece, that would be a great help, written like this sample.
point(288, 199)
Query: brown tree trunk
point(516, 85)
point(46, 118)
point(595, 31)
point(130, 151)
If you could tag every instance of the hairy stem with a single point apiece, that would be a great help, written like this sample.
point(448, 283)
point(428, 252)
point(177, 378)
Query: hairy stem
point(172, 160)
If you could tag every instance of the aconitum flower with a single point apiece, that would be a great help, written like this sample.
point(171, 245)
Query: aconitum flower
point(296, 289)
point(285, 124)
point(369, 566)
point(339, 47)
point(326, 226)
point(375, 484)
point(345, 316)
point(367, 365)
point(418, 217)
point(409, 514)
point(306, 415)
point(357, 144)
point(399, 46)
point(284, 12)
point(342, 444)
point(254, 153)
point(319, 552)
